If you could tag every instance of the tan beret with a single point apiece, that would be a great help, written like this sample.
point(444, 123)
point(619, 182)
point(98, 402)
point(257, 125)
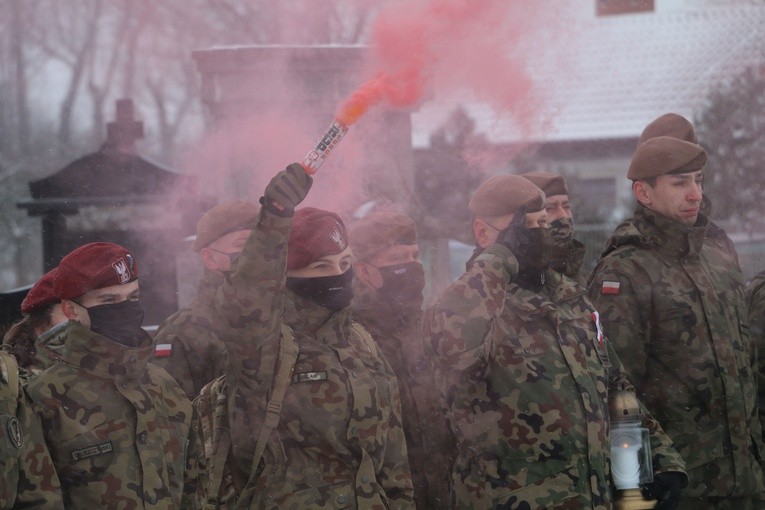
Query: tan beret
point(504, 194)
point(669, 124)
point(223, 219)
point(665, 155)
point(551, 184)
point(380, 230)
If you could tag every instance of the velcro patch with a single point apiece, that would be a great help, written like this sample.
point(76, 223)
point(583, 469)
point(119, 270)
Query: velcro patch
point(610, 288)
point(92, 451)
point(309, 377)
point(163, 350)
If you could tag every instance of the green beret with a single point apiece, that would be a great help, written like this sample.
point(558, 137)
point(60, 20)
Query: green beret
point(665, 155)
point(504, 194)
point(223, 219)
point(669, 124)
point(551, 184)
point(380, 230)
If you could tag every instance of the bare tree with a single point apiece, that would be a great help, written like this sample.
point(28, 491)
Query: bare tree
point(731, 127)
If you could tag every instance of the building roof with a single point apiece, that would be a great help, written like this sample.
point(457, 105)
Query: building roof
point(623, 71)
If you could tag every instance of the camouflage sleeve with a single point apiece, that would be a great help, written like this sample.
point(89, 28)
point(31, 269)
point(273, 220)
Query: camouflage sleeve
point(195, 479)
point(464, 314)
point(621, 294)
point(395, 475)
point(249, 303)
point(755, 300)
point(195, 359)
point(664, 455)
point(38, 486)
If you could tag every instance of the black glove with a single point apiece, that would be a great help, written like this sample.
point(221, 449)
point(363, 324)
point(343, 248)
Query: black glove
point(666, 488)
point(286, 190)
point(527, 244)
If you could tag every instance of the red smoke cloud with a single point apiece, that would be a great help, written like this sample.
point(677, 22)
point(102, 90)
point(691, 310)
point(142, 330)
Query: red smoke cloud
point(477, 50)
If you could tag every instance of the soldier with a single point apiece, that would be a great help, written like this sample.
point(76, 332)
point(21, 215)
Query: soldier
point(29, 338)
point(677, 126)
point(567, 253)
point(187, 343)
point(24, 460)
point(311, 410)
point(121, 431)
point(526, 370)
point(387, 300)
point(673, 303)
point(755, 300)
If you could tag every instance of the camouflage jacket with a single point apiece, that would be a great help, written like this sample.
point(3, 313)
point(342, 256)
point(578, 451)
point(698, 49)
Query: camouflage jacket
point(673, 304)
point(755, 299)
point(48, 347)
point(428, 440)
point(120, 431)
point(196, 355)
point(25, 463)
point(527, 377)
point(339, 442)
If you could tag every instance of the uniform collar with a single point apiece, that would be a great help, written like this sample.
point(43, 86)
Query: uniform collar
point(669, 237)
point(208, 287)
point(383, 314)
point(95, 353)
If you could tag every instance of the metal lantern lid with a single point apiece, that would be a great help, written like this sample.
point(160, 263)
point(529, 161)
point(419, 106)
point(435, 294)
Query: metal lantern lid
point(624, 407)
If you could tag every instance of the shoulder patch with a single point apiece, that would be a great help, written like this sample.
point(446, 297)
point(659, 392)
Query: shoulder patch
point(163, 350)
point(14, 432)
point(609, 287)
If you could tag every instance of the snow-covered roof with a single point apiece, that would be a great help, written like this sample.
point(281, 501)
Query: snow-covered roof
point(623, 71)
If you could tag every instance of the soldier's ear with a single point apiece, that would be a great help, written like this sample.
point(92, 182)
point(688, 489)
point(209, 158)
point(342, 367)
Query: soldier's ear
point(641, 192)
point(208, 259)
point(368, 274)
point(71, 310)
point(482, 233)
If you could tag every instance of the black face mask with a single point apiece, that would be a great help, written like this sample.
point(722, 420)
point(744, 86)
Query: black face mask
point(539, 248)
point(402, 284)
point(333, 292)
point(120, 322)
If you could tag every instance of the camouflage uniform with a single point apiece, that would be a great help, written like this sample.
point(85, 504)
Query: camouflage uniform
point(198, 356)
point(120, 431)
point(755, 299)
point(527, 378)
point(428, 440)
point(25, 464)
point(339, 441)
point(673, 304)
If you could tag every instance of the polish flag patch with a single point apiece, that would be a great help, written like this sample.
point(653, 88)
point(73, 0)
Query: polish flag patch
point(163, 350)
point(610, 288)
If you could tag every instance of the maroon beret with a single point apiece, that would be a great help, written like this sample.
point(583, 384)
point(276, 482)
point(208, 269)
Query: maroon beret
point(380, 230)
point(93, 266)
point(315, 234)
point(551, 184)
point(669, 124)
point(665, 155)
point(41, 294)
point(504, 194)
point(223, 219)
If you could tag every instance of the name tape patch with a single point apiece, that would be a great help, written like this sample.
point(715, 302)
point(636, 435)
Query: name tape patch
point(309, 377)
point(92, 451)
